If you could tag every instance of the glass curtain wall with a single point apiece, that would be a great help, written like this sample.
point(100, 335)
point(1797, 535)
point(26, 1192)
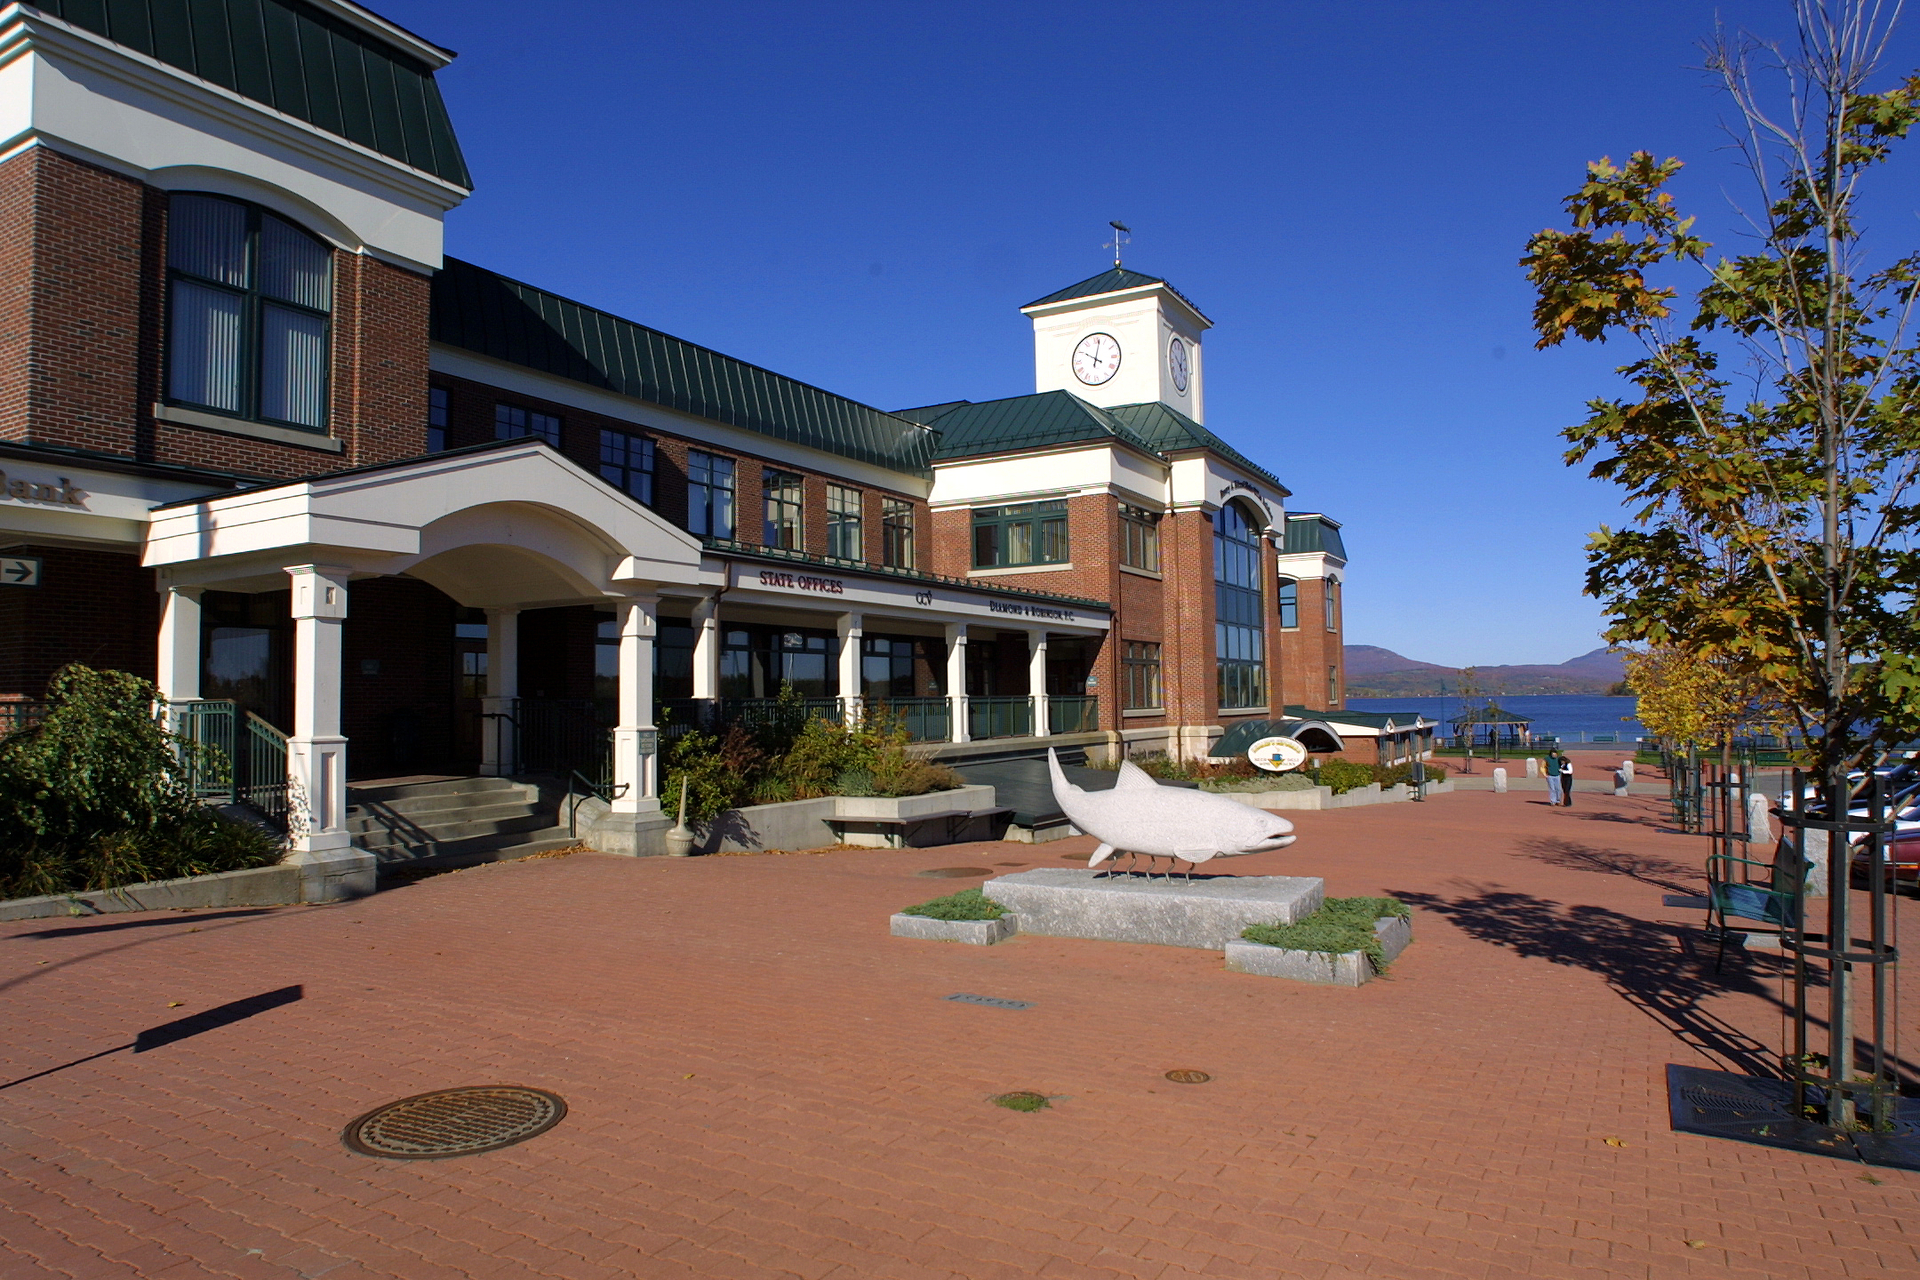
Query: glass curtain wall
point(1239, 631)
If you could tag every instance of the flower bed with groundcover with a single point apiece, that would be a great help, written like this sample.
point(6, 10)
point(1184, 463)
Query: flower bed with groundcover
point(1341, 926)
point(968, 904)
point(968, 916)
point(796, 757)
point(95, 796)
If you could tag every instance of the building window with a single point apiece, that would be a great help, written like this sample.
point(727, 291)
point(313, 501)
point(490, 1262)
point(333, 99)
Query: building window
point(1239, 638)
point(1140, 676)
point(896, 530)
point(1031, 533)
point(844, 523)
point(785, 508)
point(626, 463)
point(1289, 594)
point(436, 419)
point(511, 422)
point(1333, 604)
point(1139, 538)
point(248, 303)
point(1333, 688)
point(709, 494)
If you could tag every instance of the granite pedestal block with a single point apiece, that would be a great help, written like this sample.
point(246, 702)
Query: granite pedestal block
point(980, 933)
point(1210, 912)
point(1348, 969)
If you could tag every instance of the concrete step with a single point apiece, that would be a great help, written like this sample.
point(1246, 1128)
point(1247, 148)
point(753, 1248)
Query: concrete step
point(378, 842)
point(474, 851)
point(388, 793)
point(384, 817)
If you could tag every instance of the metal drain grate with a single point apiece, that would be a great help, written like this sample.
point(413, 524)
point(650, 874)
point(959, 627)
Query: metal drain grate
point(1705, 1098)
point(955, 873)
point(454, 1122)
point(992, 1001)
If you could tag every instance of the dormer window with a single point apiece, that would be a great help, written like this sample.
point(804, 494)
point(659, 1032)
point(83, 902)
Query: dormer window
point(248, 302)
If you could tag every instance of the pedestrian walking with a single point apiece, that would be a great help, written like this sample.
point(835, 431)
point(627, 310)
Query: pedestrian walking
point(1566, 781)
point(1553, 776)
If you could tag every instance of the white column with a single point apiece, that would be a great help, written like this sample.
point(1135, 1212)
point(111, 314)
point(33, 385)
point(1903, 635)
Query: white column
point(957, 679)
point(499, 738)
point(179, 664)
point(706, 648)
point(852, 630)
point(636, 742)
point(316, 752)
point(1037, 682)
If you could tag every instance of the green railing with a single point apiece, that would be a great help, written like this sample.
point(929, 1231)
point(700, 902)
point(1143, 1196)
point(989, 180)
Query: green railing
point(264, 785)
point(1073, 714)
point(756, 713)
point(209, 725)
point(924, 719)
point(999, 717)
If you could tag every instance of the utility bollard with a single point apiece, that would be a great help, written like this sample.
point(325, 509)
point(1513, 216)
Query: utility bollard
point(1759, 822)
point(1499, 779)
point(1533, 766)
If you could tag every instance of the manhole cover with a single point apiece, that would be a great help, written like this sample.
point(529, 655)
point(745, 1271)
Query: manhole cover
point(1188, 1077)
point(955, 873)
point(454, 1122)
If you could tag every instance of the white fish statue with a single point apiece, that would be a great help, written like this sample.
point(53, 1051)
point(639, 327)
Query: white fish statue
point(1141, 816)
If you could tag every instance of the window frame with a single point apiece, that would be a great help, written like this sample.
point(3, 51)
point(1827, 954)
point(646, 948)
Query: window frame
point(846, 523)
point(783, 499)
point(898, 525)
point(251, 352)
point(621, 462)
point(1287, 603)
point(1139, 538)
point(1239, 602)
point(1331, 592)
point(716, 467)
point(1141, 676)
point(1046, 530)
point(439, 409)
point(506, 429)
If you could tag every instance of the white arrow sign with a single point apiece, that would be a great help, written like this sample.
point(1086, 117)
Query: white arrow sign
point(19, 571)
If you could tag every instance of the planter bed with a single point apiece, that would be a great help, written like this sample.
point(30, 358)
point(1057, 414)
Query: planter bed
point(1323, 797)
point(1346, 969)
point(979, 933)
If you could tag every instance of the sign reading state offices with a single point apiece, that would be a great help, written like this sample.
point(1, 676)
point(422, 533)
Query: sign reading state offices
point(908, 597)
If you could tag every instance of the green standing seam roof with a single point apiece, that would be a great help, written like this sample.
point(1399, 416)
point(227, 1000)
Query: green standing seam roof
point(1027, 422)
point(295, 58)
point(484, 312)
point(928, 414)
point(1311, 533)
point(1112, 281)
point(1167, 430)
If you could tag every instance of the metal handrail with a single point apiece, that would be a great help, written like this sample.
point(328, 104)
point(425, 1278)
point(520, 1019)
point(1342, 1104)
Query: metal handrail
point(266, 784)
point(607, 791)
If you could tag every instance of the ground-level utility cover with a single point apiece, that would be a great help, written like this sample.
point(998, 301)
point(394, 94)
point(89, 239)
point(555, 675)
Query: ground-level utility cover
point(454, 1122)
point(955, 873)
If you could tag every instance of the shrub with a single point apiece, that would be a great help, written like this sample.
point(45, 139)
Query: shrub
point(1339, 926)
point(968, 904)
point(1265, 782)
point(1341, 775)
point(95, 796)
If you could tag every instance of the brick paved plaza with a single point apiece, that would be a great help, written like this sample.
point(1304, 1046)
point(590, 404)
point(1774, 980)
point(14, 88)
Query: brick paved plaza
point(763, 1083)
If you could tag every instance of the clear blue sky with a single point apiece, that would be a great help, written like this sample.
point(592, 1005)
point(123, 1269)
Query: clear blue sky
point(862, 196)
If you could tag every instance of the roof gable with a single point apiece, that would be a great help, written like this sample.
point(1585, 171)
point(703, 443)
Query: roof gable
point(1027, 422)
point(1113, 280)
point(1167, 430)
point(481, 311)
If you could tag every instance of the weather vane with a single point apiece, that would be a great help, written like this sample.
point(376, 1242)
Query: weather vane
point(1122, 235)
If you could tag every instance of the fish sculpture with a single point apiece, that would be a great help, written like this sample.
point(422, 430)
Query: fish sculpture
point(1141, 816)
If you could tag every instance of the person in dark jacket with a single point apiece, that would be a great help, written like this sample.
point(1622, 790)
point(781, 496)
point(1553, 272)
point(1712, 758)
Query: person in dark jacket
point(1566, 781)
point(1552, 772)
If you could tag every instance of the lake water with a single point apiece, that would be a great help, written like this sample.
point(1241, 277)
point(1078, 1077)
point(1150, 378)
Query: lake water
point(1570, 717)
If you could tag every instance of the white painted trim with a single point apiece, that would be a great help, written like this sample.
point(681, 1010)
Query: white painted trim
point(1010, 570)
point(380, 28)
point(243, 427)
point(460, 363)
point(1142, 573)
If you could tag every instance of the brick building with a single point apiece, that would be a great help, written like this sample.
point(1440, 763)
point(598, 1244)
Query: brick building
point(263, 442)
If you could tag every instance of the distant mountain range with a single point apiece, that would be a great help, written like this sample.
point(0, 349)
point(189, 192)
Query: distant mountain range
point(1373, 672)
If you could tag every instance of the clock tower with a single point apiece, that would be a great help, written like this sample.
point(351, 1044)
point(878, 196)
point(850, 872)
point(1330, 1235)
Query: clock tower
point(1120, 338)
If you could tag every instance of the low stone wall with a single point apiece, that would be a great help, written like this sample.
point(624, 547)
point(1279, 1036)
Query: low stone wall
point(1348, 969)
point(331, 876)
point(1323, 797)
point(809, 824)
point(979, 933)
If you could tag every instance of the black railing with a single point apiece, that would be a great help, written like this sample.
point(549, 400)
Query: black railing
point(763, 713)
point(562, 735)
point(1073, 714)
point(999, 717)
point(924, 719)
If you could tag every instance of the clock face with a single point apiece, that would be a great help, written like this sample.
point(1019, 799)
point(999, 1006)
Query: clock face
point(1096, 359)
point(1177, 364)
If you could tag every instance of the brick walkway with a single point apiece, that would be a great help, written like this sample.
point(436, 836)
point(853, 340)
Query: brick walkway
point(763, 1083)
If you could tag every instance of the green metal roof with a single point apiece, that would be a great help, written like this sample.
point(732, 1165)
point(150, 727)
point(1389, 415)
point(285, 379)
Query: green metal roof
point(295, 58)
point(928, 414)
point(1111, 281)
point(1027, 422)
point(490, 314)
point(1167, 430)
point(1313, 532)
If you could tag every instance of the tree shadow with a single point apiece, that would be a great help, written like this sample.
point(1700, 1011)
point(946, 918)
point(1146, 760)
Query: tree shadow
point(1651, 965)
point(1662, 873)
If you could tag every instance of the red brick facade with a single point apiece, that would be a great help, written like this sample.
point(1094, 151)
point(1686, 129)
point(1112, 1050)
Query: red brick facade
point(82, 329)
point(92, 607)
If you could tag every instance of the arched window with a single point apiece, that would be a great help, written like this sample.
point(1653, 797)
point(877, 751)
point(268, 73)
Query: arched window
point(1239, 636)
point(248, 301)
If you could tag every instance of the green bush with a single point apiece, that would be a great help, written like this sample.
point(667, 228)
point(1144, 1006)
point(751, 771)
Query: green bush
point(1339, 926)
point(95, 796)
point(1341, 775)
point(1265, 782)
point(968, 904)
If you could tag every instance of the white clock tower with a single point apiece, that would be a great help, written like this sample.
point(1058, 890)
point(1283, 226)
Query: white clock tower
point(1120, 338)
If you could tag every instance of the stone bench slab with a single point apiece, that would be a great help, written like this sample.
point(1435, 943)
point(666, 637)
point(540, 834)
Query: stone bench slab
point(1210, 912)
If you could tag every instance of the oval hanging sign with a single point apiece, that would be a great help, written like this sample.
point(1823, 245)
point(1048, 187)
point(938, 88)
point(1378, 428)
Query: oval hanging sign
point(1277, 755)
